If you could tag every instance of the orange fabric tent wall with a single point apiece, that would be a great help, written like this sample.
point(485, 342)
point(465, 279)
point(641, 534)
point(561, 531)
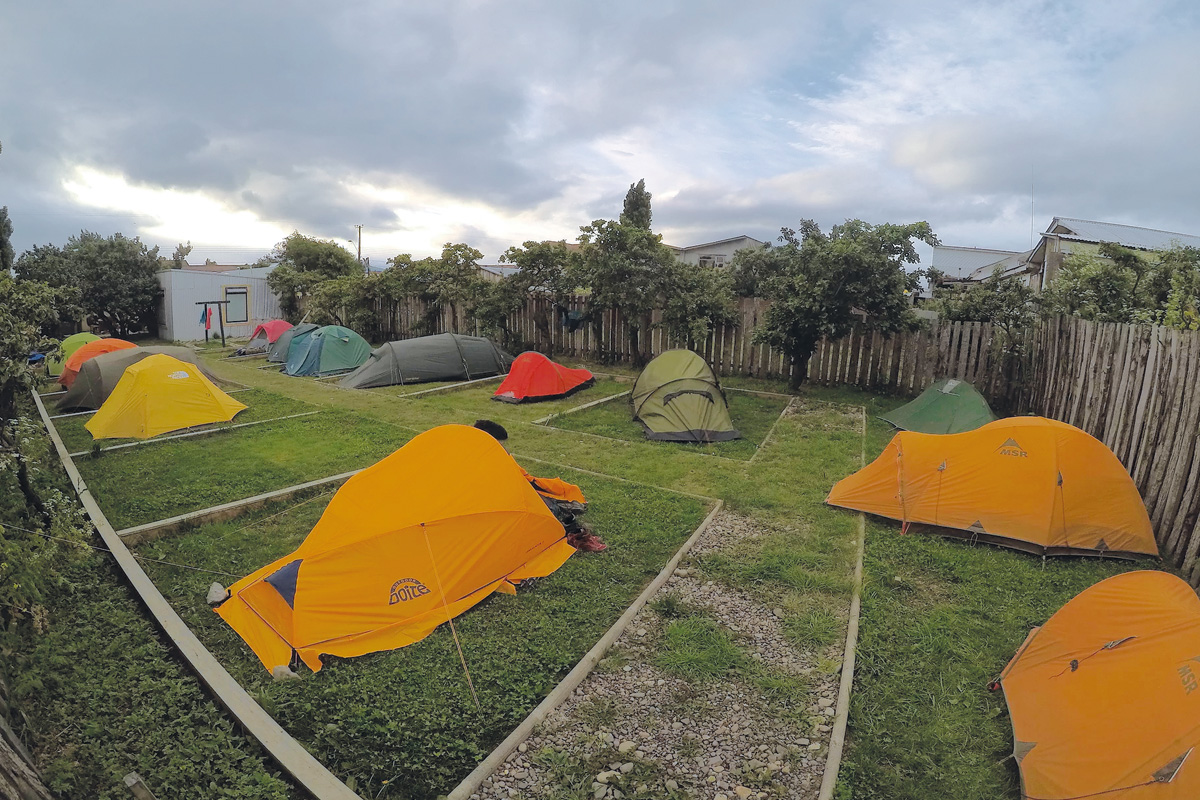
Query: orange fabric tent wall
point(89, 351)
point(1105, 697)
point(1027, 482)
point(533, 376)
point(421, 536)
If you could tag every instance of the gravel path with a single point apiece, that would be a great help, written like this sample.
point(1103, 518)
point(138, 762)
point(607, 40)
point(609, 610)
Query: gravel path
point(633, 730)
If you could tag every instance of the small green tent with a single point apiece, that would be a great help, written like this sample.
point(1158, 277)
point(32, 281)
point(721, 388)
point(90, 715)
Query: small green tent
point(677, 399)
point(279, 349)
point(326, 351)
point(947, 406)
point(54, 366)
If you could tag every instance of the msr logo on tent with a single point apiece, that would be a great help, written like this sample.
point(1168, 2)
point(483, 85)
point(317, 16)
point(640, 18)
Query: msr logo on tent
point(1187, 677)
point(1011, 448)
point(406, 589)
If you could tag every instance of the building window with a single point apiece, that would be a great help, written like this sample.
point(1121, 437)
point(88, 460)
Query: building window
point(237, 309)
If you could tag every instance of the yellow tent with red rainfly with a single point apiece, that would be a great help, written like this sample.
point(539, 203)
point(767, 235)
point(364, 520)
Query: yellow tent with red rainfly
point(1029, 483)
point(158, 395)
point(404, 545)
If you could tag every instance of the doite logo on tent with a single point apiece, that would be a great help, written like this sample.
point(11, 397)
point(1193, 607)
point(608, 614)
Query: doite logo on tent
point(1011, 448)
point(406, 589)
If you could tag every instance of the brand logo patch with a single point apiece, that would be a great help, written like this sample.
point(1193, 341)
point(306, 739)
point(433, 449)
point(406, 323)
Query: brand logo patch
point(177, 375)
point(407, 589)
point(1011, 448)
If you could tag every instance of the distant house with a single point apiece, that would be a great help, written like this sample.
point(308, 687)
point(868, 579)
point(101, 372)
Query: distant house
point(963, 266)
point(714, 254)
point(250, 301)
point(1066, 235)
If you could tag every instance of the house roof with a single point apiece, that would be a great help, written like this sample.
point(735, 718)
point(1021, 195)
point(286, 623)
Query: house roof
point(966, 262)
point(215, 267)
point(714, 244)
point(1084, 230)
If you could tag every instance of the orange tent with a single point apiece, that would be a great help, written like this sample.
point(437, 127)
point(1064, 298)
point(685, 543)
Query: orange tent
point(87, 352)
point(533, 377)
point(1026, 482)
point(404, 545)
point(1105, 697)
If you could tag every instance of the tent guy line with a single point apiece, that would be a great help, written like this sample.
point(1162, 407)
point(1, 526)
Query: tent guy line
point(191, 433)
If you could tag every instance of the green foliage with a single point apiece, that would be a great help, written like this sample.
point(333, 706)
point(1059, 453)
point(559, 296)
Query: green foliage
point(816, 281)
point(6, 248)
point(698, 648)
point(1007, 303)
point(114, 277)
point(302, 263)
point(1182, 308)
point(636, 211)
point(694, 300)
point(179, 257)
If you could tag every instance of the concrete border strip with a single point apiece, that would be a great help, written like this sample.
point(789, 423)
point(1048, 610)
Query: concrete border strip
point(771, 432)
point(576, 676)
point(453, 386)
point(280, 746)
point(837, 739)
point(193, 433)
point(706, 498)
point(225, 511)
point(573, 409)
point(756, 391)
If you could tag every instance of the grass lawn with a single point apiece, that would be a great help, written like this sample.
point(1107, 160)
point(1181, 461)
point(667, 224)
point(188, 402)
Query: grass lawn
point(405, 717)
point(752, 414)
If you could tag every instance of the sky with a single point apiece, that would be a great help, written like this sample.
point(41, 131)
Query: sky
point(231, 124)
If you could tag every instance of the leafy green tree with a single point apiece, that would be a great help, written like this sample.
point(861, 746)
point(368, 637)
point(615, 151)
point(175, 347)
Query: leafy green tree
point(546, 270)
point(752, 268)
point(622, 265)
point(1182, 306)
point(301, 264)
point(6, 248)
point(637, 206)
point(179, 257)
point(694, 300)
point(816, 282)
point(115, 278)
point(1007, 303)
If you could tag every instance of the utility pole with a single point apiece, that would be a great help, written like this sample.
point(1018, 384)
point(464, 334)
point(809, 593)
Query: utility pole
point(360, 261)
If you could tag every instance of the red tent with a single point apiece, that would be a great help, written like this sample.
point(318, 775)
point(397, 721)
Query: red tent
point(272, 329)
point(534, 377)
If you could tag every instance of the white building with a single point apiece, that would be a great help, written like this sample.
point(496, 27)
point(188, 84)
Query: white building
point(250, 302)
point(714, 254)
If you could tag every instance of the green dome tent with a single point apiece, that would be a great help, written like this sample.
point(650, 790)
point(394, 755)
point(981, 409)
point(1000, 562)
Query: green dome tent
point(325, 351)
point(54, 366)
point(441, 357)
point(279, 349)
point(947, 406)
point(677, 399)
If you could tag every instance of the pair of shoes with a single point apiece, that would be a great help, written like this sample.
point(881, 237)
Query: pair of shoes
point(586, 541)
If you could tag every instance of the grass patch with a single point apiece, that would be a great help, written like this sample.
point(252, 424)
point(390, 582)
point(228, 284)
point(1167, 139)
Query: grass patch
point(789, 560)
point(813, 626)
point(752, 414)
point(698, 649)
point(408, 712)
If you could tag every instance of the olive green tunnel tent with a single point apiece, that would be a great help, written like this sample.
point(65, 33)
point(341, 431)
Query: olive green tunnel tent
point(99, 376)
point(947, 406)
point(441, 357)
point(278, 349)
point(677, 398)
point(326, 351)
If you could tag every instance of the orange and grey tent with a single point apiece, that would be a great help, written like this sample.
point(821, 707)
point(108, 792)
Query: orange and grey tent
point(1030, 483)
point(404, 545)
point(533, 377)
point(1105, 697)
point(86, 353)
point(158, 395)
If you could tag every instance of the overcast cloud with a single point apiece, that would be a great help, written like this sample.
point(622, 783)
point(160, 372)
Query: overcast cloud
point(232, 123)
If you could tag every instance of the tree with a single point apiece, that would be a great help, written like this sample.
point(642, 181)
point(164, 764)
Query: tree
point(621, 265)
point(179, 257)
point(1181, 309)
point(301, 264)
point(694, 300)
point(6, 248)
point(816, 282)
point(115, 277)
point(1008, 303)
point(546, 270)
point(637, 206)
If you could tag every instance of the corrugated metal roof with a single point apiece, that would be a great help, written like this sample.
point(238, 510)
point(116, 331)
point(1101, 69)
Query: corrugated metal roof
point(1085, 230)
point(964, 262)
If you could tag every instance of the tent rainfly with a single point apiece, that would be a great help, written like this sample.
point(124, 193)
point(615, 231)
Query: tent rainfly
point(442, 357)
point(54, 366)
point(99, 375)
point(265, 335)
point(160, 394)
point(1029, 483)
point(279, 349)
point(534, 377)
point(326, 351)
point(677, 398)
point(947, 406)
point(404, 545)
point(86, 353)
point(1103, 696)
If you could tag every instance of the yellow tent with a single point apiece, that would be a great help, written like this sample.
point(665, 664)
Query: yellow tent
point(160, 394)
point(403, 546)
point(1030, 483)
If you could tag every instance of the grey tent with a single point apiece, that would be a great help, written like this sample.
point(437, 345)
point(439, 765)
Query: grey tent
point(278, 351)
point(443, 357)
point(98, 376)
